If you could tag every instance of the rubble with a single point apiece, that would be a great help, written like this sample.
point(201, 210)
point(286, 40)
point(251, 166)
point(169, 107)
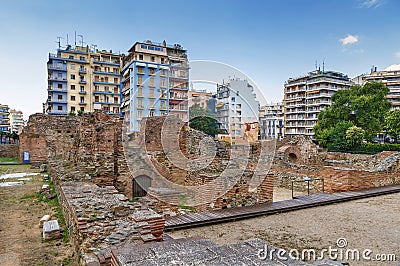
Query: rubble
point(51, 230)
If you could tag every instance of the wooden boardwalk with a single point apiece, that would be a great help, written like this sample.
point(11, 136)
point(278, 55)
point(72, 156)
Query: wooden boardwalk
point(232, 214)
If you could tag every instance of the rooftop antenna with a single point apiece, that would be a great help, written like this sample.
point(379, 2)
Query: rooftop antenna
point(323, 65)
point(75, 38)
point(94, 47)
point(316, 64)
point(81, 39)
point(59, 41)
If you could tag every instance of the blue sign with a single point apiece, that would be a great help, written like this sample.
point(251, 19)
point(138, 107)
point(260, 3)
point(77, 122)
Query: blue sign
point(26, 157)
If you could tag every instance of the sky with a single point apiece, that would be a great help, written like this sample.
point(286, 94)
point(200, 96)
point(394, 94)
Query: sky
point(269, 41)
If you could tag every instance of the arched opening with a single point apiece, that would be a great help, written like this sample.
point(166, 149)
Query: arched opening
point(140, 185)
point(293, 157)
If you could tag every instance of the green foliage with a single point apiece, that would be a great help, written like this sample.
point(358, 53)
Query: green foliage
point(80, 112)
point(354, 136)
point(393, 123)
point(71, 113)
point(371, 148)
point(337, 136)
point(9, 159)
point(202, 120)
point(365, 106)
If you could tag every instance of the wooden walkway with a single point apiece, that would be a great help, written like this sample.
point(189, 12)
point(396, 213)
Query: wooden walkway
point(232, 214)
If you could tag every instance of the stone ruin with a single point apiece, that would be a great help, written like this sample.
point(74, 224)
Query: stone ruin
point(95, 166)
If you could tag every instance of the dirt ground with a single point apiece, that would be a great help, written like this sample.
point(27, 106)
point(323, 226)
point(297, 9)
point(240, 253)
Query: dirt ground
point(372, 223)
point(20, 236)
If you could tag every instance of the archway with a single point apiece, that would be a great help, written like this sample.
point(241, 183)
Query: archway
point(293, 157)
point(140, 184)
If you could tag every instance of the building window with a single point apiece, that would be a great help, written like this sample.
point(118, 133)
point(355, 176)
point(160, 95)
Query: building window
point(96, 98)
point(115, 71)
point(151, 103)
point(115, 99)
point(72, 76)
point(162, 60)
point(163, 83)
point(72, 66)
point(140, 103)
point(140, 80)
point(82, 99)
point(152, 72)
point(151, 93)
point(82, 58)
point(115, 89)
point(106, 89)
point(96, 88)
point(140, 92)
point(59, 86)
point(82, 109)
point(152, 84)
point(116, 80)
point(59, 108)
point(82, 88)
point(72, 98)
point(152, 113)
point(106, 69)
point(72, 108)
point(59, 97)
point(72, 87)
point(71, 57)
point(105, 79)
point(153, 59)
point(140, 113)
point(140, 57)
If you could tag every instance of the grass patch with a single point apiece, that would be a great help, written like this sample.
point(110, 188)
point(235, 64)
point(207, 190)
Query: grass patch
point(54, 204)
point(9, 160)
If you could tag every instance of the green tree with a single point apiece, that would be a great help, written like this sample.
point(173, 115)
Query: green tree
point(71, 113)
point(363, 106)
point(354, 136)
point(202, 120)
point(393, 123)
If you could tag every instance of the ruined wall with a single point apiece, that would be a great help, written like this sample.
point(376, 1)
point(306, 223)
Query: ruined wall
point(9, 150)
point(90, 146)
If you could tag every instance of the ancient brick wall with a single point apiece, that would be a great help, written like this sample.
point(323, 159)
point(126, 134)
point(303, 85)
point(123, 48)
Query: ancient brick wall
point(9, 150)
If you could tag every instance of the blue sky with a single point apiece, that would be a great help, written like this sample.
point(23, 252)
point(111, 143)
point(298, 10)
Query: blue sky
point(270, 41)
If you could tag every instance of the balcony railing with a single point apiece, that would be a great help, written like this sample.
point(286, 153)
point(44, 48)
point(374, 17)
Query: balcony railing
point(82, 81)
point(82, 71)
point(82, 92)
point(60, 68)
point(57, 101)
point(53, 78)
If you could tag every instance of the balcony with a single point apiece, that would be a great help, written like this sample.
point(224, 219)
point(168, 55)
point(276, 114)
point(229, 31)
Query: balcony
point(57, 112)
point(57, 101)
point(59, 68)
point(106, 92)
point(82, 71)
point(51, 89)
point(52, 78)
point(106, 73)
point(104, 62)
point(82, 92)
point(105, 83)
point(82, 103)
point(82, 81)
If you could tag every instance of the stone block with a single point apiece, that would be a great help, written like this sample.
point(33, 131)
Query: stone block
point(51, 230)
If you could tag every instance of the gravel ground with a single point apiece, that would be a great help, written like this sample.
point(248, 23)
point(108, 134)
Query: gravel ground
point(372, 223)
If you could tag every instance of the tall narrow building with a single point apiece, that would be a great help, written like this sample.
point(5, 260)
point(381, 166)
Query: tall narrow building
point(306, 96)
point(154, 82)
point(4, 118)
point(82, 80)
point(237, 110)
point(271, 121)
point(16, 121)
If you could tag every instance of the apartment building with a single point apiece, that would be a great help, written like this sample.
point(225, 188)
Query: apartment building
point(390, 77)
point(306, 96)
point(82, 79)
point(16, 121)
point(4, 118)
point(154, 82)
point(271, 121)
point(237, 110)
point(203, 98)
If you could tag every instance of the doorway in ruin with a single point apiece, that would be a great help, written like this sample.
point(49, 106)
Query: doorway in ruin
point(293, 157)
point(140, 185)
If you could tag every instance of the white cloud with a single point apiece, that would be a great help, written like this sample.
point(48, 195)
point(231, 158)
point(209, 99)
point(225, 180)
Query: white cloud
point(370, 3)
point(398, 54)
point(349, 39)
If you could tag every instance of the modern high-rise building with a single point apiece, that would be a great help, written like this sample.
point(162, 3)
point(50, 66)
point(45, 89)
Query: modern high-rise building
point(390, 77)
point(306, 96)
point(4, 118)
point(237, 110)
point(271, 121)
point(154, 82)
point(81, 79)
point(16, 121)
